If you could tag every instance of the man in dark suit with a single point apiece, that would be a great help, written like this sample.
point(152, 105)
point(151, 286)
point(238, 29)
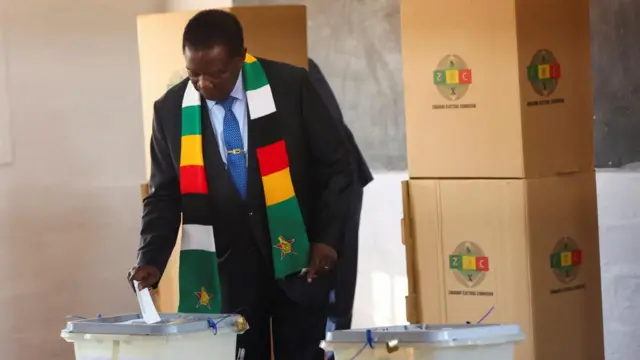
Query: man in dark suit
point(341, 309)
point(248, 153)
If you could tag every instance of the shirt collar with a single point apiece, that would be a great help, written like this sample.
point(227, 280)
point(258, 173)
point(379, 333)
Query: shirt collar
point(237, 92)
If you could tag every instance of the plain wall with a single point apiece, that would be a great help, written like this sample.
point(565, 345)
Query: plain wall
point(186, 5)
point(616, 100)
point(70, 200)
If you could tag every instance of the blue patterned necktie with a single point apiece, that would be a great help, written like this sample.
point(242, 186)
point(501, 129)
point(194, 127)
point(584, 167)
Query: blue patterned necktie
point(236, 157)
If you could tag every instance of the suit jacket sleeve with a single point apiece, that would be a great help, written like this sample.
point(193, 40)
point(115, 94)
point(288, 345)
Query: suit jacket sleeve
point(162, 207)
point(331, 164)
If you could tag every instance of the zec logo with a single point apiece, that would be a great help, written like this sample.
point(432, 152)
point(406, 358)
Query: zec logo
point(452, 77)
point(566, 260)
point(469, 264)
point(544, 72)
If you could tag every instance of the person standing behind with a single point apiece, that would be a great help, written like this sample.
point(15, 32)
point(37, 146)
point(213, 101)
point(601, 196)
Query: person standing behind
point(343, 295)
point(248, 154)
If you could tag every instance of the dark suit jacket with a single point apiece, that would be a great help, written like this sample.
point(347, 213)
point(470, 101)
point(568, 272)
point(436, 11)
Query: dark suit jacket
point(320, 82)
point(319, 157)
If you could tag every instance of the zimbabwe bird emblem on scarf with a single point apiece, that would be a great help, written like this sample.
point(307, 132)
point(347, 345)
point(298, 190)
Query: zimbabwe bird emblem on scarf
point(285, 246)
point(204, 298)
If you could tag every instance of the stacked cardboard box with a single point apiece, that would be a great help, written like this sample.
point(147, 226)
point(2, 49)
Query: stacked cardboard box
point(274, 32)
point(500, 216)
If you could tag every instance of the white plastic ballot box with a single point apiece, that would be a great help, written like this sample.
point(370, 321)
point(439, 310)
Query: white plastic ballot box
point(176, 336)
point(426, 342)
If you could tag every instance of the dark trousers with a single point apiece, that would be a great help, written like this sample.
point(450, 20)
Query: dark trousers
point(341, 311)
point(250, 290)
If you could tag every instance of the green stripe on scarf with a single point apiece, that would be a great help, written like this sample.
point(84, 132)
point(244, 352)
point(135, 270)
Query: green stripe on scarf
point(191, 122)
point(199, 280)
point(254, 76)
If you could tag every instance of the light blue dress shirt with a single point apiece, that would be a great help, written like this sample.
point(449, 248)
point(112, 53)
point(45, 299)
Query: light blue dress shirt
point(216, 114)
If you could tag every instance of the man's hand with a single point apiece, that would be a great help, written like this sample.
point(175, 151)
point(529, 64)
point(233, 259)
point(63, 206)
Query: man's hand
point(323, 258)
point(145, 275)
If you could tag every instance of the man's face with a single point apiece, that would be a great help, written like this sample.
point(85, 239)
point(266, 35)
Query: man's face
point(213, 72)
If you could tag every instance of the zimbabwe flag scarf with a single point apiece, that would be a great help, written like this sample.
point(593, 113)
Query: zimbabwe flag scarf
point(199, 281)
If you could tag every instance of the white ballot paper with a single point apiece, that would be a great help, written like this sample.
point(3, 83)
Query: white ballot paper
point(147, 308)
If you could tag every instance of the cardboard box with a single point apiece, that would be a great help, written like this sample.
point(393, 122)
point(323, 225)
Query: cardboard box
point(499, 90)
point(273, 32)
point(509, 251)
